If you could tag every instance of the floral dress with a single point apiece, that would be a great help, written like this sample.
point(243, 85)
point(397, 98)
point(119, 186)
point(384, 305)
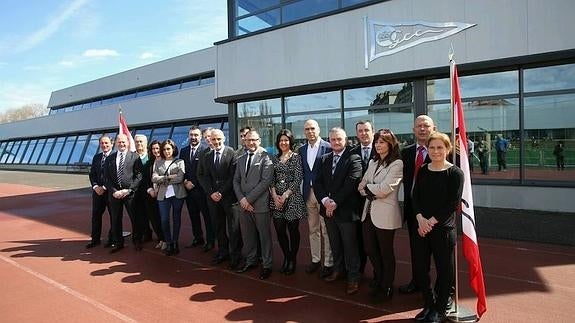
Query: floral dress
point(288, 175)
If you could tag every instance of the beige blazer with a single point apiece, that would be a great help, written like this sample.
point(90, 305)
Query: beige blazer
point(384, 184)
point(159, 177)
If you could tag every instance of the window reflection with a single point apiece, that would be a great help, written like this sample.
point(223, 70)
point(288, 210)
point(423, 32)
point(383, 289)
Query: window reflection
point(259, 21)
point(500, 83)
point(38, 151)
point(326, 121)
point(160, 134)
point(247, 6)
point(267, 127)
point(313, 102)
point(29, 151)
point(378, 95)
point(14, 152)
point(7, 152)
point(559, 77)
point(78, 149)
point(400, 122)
point(58, 145)
point(21, 152)
point(259, 108)
point(307, 8)
point(66, 150)
point(180, 135)
point(92, 149)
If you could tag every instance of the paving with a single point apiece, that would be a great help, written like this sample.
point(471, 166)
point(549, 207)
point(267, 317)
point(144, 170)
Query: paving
point(47, 275)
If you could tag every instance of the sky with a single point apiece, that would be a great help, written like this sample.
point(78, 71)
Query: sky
point(48, 45)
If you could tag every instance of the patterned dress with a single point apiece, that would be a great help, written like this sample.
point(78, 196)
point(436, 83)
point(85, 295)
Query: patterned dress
point(288, 175)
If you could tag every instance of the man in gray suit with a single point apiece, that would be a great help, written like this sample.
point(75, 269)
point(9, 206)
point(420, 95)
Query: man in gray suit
point(252, 180)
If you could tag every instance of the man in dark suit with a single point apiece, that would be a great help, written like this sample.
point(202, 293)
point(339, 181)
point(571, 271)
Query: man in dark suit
point(336, 188)
point(311, 160)
point(99, 196)
point(196, 200)
point(216, 175)
point(423, 126)
point(123, 173)
point(252, 180)
point(364, 132)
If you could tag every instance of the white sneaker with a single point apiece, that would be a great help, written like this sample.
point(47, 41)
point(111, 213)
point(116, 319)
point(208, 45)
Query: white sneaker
point(164, 245)
point(159, 245)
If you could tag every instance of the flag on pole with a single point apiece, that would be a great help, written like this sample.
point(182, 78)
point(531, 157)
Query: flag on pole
point(470, 246)
point(123, 130)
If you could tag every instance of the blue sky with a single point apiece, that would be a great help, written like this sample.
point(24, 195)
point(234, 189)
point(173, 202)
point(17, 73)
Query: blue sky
point(49, 45)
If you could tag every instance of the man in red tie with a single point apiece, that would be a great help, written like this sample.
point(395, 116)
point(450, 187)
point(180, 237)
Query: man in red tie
point(413, 157)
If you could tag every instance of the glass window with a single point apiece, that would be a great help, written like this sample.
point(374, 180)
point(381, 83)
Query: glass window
point(208, 80)
point(326, 121)
point(559, 77)
point(347, 3)
point(37, 151)
point(29, 151)
point(259, 108)
point(484, 121)
point(313, 102)
point(78, 149)
point(7, 153)
point(247, 6)
point(307, 8)
point(172, 87)
point(145, 132)
point(13, 152)
point(492, 84)
point(161, 134)
point(189, 84)
point(399, 120)
point(46, 151)
point(550, 137)
point(258, 22)
point(180, 135)
point(378, 95)
point(92, 149)
point(21, 151)
point(58, 145)
point(267, 127)
point(66, 150)
point(2, 146)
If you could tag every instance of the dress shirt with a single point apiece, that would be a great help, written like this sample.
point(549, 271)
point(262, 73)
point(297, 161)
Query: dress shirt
point(312, 153)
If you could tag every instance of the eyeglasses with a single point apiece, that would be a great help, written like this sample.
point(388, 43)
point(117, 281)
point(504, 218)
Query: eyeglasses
point(252, 140)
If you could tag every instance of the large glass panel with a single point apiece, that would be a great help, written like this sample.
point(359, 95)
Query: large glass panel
point(58, 145)
point(267, 127)
point(208, 80)
point(247, 6)
point(37, 151)
point(29, 151)
point(180, 135)
point(492, 84)
point(66, 150)
point(550, 137)
point(258, 22)
point(307, 8)
point(13, 152)
point(378, 95)
point(485, 120)
point(92, 149)
point(399, 120)
point(46, 151)
point(326, 121)
point(259, 108)
point(160, 134)
point(21, 151)
point(2, 146)
point(313, 102)
point(7, 153)
point(549, 78)
point(77, 150)
point(145, 132)
point(192, 83)
point(347, 3)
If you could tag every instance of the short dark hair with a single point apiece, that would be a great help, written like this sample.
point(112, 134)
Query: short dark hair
point(364, 122)
point(195, 127)
point(289, 135)
point(248, 128)
point(389, 137)
point(150, 154)
point(171, 143)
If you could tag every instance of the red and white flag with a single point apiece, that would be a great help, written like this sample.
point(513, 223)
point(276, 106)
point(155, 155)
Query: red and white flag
point(123, 130)
point(470, 246)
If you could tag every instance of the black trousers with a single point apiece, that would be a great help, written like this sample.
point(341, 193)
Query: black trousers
point(288, 236)
point(344, 247)
point(440, 244)
point(147, 213)
point(226, 226)
point(379, 247)
point(117, 207)
point(99, 206)
point(197, 204)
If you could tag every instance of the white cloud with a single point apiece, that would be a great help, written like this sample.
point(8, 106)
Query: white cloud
point(148, 55)
point(100, 53)
point(66, 63)
point(52, 27)
point(17, 95)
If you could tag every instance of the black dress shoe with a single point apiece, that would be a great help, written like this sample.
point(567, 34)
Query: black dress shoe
point(92, 244)
point(219, 259)
point(116, 248)
point(195, 243)
point(137, 245)
point(265, 274)
point(325, 272)
point(247, 267)
point(284, 265)
point(313, 267)
point(108, 244)
point(234, 264)
point(208, 246)
point(423, 314)
point(434, 317)
point(290, 267)
point(408, 288)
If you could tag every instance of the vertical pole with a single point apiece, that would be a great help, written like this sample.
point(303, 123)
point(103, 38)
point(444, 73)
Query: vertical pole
point(454, 156)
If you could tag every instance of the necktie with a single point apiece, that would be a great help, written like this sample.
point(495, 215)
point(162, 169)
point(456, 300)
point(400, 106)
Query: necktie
point(418, 162)
point(249, 162)
point(121, 169)
point(103, 161)
point(217, 161)
point(365, 155)
point(334, 164)
point(192, 153)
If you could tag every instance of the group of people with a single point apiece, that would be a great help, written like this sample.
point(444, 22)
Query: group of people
point(349, 196)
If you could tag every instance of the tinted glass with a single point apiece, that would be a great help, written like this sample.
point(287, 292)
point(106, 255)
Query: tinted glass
point(208, 80)
point(378, 95)
point(7, 152)
point(307, 8)
point(257, 22)
point(160, 134)
point(549, 78)
point(2, 146)
point(326, 121)
point(247, 6)
point(58, 145)
point(180, 135)
point(29, 151)
point(21, 151)
point(66, 150)
point(13, 152)
point(77, 150)
point(37, 151)
point(46, 151)
point(500, 83)
point(313, 102)
point(92, 149)
point(399, 121)
point(347, 3)
point(189, 84)
point(267, 127)
point(259, 108)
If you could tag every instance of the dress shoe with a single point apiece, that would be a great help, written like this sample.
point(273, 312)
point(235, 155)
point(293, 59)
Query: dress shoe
point(284, 265)
point(176, 248)
point(169, 251)
point(290, 270)
point(408, 288)
point(138, 246)
point(434, 317)
point(116, 248)
point(325, 271)
point(108, 244)
point(380, 295)
point(247, 267)
point(219, 259)
point(234, 265)
point(336, 275)
point(352, 288)
point(421, 315)
point(92, 244)
point(313, 267)
point(195, 243)
point(450, 305)
point(208, 246)
point(265, 274)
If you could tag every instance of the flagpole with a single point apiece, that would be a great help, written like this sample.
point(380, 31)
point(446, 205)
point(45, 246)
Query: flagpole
point(459, 313)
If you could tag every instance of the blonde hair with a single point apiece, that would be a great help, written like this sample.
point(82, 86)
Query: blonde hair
point(440, 136)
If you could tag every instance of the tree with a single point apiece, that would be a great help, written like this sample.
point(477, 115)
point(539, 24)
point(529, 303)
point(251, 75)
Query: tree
point(28, 111)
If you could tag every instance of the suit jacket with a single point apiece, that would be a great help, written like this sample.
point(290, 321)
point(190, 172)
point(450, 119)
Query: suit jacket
point(358, 149)
point(220, 179)
point(341, 186)
point(384, 184)
point(132, 172)
point(255, 185)
point(97, 171)
point(162, 171)
point(310, 174)
point(408, 158)
point(192, 164)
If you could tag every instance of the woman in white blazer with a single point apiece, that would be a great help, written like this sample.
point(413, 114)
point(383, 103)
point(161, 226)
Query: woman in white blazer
point(381, 213)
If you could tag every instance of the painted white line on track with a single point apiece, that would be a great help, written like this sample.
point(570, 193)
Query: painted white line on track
point(70, 291)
